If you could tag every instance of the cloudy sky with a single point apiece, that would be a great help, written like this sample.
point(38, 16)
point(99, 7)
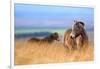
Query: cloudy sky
point(27, 15)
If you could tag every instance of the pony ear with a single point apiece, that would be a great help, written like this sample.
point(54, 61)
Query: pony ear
point(55, 33)
point(82, 23)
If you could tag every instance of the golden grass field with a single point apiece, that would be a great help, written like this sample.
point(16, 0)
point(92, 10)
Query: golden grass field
point(44, 53)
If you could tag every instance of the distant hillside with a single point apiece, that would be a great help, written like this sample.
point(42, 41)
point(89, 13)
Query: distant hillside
point(36, 34)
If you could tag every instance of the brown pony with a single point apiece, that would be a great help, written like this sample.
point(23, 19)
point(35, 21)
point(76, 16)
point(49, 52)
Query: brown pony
point(76, 37)
point(50, 38)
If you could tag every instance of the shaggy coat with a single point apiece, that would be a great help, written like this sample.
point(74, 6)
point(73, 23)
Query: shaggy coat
point(76, 37)
point(68, 41)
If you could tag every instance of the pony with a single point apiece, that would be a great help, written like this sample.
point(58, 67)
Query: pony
point(50, 38)
point(76, 37)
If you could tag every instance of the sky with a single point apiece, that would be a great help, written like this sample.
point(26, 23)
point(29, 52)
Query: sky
point(29, 15)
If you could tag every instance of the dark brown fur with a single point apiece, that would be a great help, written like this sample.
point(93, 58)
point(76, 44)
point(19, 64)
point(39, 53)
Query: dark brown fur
point(49, 38)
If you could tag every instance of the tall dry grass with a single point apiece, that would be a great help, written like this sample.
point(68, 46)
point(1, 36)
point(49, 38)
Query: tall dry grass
point(43, 53)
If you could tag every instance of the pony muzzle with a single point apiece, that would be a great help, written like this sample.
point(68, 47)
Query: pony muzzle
point(72, 35)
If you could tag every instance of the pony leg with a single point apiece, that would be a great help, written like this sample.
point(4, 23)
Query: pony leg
point(79, 42)
point(78, 46)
